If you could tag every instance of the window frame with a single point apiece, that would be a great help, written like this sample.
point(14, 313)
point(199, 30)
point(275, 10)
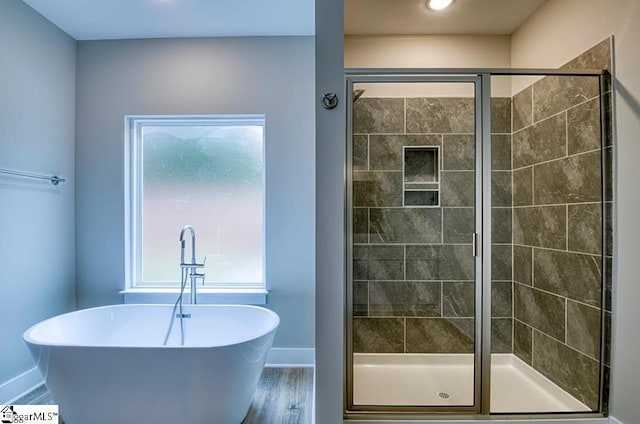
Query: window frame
point(133, 182)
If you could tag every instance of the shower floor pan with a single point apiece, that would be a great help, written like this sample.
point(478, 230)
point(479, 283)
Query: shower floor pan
point(442, 380)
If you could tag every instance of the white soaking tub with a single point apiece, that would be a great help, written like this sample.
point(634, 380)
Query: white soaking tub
point(109, 364)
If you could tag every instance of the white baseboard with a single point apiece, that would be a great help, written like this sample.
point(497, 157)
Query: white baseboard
point(20, 385)
point(291, 357)
point(614, 421)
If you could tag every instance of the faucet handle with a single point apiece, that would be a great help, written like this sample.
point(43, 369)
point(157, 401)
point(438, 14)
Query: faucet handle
point(198, 275)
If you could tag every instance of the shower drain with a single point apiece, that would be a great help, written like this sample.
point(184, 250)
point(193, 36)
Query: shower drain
point(444, 395)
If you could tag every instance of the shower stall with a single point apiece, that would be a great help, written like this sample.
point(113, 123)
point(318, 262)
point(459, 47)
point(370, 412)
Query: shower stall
point(478, 241)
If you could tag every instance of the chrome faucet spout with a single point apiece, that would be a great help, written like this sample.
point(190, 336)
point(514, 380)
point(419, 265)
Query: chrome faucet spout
point(193, 243)
point(191, 268)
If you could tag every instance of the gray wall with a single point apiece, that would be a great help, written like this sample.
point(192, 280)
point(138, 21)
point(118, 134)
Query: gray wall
point(330, 162)
point(273, 76)
point(37, 104)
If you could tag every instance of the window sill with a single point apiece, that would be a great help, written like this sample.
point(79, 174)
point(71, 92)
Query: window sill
point(205, 296)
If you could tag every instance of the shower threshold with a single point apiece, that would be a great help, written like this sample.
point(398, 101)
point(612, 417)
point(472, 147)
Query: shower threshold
point(447, 379)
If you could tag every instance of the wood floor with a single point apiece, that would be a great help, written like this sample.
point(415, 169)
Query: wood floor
point(284, 396)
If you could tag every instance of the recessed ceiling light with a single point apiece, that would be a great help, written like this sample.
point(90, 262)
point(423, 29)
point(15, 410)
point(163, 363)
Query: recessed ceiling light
point(439, 4)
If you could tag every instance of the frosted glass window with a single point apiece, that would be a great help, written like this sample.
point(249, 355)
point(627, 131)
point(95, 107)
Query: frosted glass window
point(208, 173)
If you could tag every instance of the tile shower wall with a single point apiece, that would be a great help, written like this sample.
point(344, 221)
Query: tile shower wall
point(413, 268)
point(557, 215)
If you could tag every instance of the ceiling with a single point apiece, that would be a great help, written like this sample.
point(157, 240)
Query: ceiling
point(412, 17)
point(111, 19)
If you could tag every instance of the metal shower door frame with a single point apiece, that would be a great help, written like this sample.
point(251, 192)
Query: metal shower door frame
point(481, 249)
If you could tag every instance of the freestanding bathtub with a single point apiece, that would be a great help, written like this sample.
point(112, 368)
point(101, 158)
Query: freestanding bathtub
point(109, 365)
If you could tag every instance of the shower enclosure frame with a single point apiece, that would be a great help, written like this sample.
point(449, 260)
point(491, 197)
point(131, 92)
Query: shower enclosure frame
point(481, 78)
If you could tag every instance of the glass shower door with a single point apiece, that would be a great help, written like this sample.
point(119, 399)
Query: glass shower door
point(413, 202)
point(550, 150)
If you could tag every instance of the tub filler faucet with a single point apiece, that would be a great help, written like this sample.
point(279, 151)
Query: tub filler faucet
point(190, 269)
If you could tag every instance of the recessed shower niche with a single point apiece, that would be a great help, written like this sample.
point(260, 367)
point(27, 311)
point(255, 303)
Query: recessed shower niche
point(421, 175)
point(478, 242)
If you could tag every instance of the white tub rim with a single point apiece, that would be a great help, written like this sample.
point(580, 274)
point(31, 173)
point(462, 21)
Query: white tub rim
point(28, 339)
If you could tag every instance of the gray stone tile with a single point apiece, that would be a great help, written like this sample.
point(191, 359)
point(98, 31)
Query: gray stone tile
point(458, 152)
point(386, 150)
point(458, 225)
point(571, 275)
point(377, 189)
point(360, 225)
point(540, 310)
point(583, 328)
point(500, 152)
point(360, 298)
point(596, 57)
point(523, 265)
point(378, 115)
point(501, 115)
point(574, 179)
point(440, 335)
point(458, 299)
point(444, 262)
point(522, 109)
point(501, 299)
point(360, 152)
point(406, 225)
point(542, 226)
point(501, 188)
point(553, 94)
point(523, 187)
point(378, 335)
point(378, 262)
point(583, 126)
point(585, 228)
point(501, 335)
point(458, 188)
point(440, 115)
point(501, 262)
point(501, 225)
point(541, 142)
point(522, 341)
point(580, 379)
point(404, 298)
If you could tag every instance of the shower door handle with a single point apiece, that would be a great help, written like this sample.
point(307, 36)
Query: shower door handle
point(476, 245)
